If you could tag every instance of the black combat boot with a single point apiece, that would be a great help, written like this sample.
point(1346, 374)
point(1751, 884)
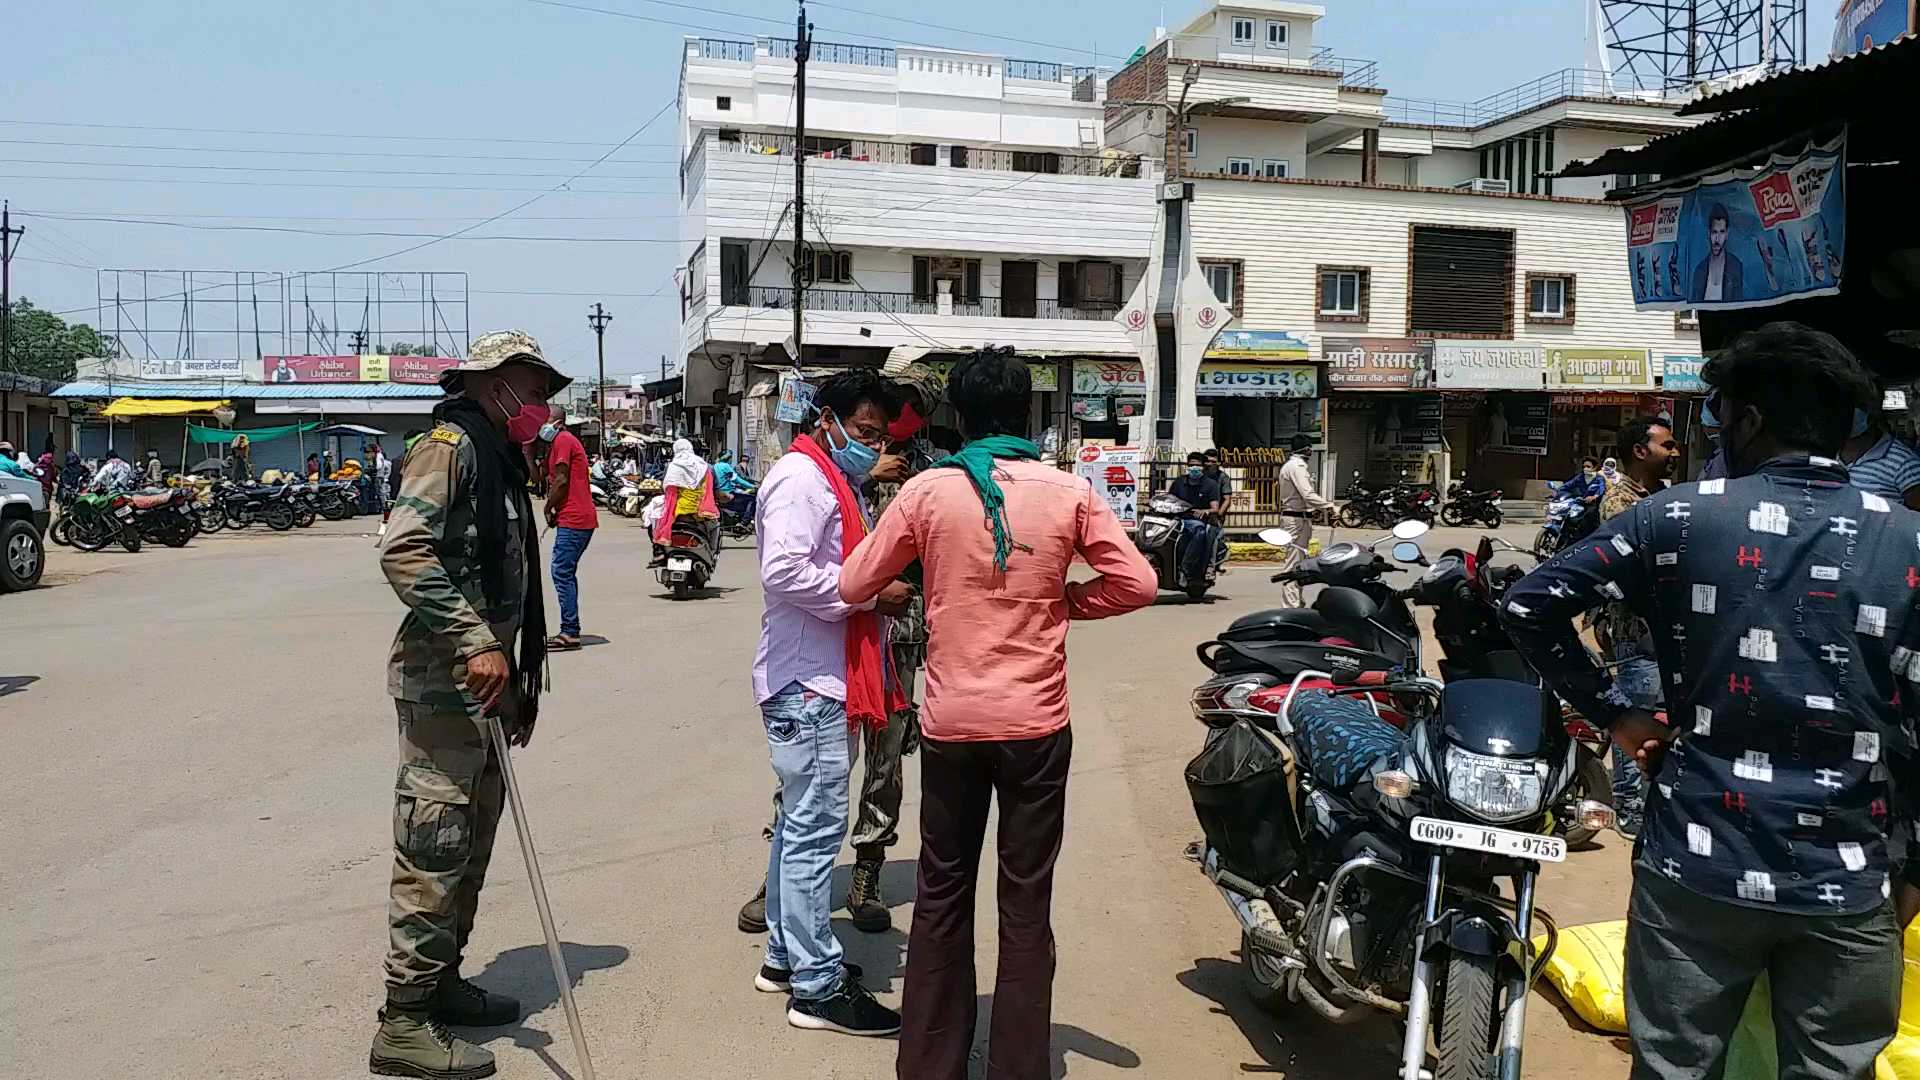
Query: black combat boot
point(458, 1001)
point(869, 912)
point(753, 914)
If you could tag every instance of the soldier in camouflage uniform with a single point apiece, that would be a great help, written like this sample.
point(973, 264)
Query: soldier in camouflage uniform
point(882, 782)
point(469, 647)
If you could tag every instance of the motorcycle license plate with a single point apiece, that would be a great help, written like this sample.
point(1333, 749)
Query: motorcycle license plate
point(680, 564)
point(123, 512)
point(1460, 834)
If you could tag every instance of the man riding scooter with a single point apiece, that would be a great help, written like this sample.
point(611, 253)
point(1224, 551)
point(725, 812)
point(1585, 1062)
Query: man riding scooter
point(1200, 529)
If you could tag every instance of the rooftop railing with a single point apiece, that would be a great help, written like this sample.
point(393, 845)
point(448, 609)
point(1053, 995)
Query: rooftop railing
point(1555, 86)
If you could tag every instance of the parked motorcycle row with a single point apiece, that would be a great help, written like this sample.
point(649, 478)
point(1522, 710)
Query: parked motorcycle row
point(174, 516)
point(1370, 507)
point(1377, 832)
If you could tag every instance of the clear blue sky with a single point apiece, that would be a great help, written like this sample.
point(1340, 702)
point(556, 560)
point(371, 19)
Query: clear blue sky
point(431, 71)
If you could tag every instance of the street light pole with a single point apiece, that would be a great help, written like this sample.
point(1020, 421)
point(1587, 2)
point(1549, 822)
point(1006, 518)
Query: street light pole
point(598, 319)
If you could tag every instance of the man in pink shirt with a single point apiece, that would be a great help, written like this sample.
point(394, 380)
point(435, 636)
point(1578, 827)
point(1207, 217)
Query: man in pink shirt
point(995, 718)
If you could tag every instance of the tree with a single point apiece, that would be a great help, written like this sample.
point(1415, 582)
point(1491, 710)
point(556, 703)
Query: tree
point(42, 344)
point(407, 348)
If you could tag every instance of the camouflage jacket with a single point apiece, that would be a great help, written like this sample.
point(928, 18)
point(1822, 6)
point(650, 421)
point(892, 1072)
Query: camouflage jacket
point(907, 632)
point(430, 556)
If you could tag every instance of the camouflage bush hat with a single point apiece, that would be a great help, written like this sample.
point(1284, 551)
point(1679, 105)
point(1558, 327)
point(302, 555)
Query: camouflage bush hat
point(922, 379)
point(489, 351)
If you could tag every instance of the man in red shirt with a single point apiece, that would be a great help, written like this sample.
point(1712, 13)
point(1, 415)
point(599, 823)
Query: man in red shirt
point(571, 514)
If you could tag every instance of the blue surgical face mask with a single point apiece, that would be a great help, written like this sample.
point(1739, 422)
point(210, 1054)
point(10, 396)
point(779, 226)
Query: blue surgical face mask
point(1859, 424)
point(549, 431)
point(856, 458)
point(1196, 472)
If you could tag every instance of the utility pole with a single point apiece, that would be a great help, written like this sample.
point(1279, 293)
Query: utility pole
point(9, 243)
point(598, 319)
point(359, 342)
point(802, 48)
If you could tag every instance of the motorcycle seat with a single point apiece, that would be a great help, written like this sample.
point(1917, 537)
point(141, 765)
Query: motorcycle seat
point(1279, 624)
point(1339, 738)
point(149, 501)
point(1286, 659)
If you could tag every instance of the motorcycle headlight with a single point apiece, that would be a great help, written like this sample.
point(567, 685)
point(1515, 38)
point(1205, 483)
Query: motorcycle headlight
point(1494, 789)
point(1152, 532)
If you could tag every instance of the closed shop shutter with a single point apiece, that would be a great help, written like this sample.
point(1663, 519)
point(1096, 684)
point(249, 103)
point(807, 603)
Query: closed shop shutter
point(1462, 282)
point(1349, 434)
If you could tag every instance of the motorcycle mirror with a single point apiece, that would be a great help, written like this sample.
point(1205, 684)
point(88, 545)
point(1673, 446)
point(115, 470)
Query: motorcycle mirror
point(1279, 538)
point(1407, 551)
point(1410, 530)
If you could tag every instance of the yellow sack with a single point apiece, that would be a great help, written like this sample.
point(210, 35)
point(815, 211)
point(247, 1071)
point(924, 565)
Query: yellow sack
point(1588, 969)
point(1901, 1059)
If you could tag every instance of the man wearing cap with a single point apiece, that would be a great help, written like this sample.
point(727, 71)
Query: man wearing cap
point(462, 553)
point(1299, 501)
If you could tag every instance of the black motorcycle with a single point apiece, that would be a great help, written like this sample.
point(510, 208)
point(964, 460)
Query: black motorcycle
point(1466, 507)
point(1364, 860)
point(269, 504)
point(164, 517)
point(1365, 506)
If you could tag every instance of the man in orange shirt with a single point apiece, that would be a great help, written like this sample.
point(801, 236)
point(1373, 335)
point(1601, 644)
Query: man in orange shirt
point(995, 719)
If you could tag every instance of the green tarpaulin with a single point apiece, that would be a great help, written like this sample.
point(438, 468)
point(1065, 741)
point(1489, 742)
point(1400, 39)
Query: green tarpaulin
point(201, 434)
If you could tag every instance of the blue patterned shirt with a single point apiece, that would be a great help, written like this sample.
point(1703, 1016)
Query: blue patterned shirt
point(1783, 618)
point(1889, 467)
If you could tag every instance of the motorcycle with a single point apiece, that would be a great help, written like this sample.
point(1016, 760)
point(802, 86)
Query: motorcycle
point(1371, 880)
point(97, 519)
point(164, 517)
point(1365, 506)
point(1564, 524)
point(686, 563)
point(242, 506)
point(335, 500)
point(306, 504)
point(1465, 507)
point(736, 515)
point(1158, 538)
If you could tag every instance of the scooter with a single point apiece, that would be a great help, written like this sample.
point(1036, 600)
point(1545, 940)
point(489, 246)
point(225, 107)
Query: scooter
point(686, 564)
point(1566, 518)
point(1158, 538)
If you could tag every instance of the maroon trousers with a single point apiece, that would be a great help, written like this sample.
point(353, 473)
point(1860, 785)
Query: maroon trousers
point(938, 1010)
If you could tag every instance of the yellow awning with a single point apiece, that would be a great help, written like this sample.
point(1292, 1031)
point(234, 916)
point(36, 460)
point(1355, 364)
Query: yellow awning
point(127, 406)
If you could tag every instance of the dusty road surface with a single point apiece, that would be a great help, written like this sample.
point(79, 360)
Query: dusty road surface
point(194, 866)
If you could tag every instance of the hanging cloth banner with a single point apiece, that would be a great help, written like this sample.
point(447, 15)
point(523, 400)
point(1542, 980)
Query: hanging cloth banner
point(127, 406)
point(1743, 238)
point(201, 434)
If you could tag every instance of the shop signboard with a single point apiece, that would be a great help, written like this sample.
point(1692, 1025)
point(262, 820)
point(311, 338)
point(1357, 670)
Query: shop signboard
point(1860, 25)
point(355, 369)
point(1740, 238)
point(1681, 374)
point(1090, 408)
point(1259, 380)
point(1599, 369)
point(1377, 363)
point(1269, 345)
point(1520, 424)
point(1044, 374)
point(1114, 472)
point(1488, 365)
point(193, 367)
point(1409, 422)
point(796, 399)
point(418, 369)
point(1093, 378)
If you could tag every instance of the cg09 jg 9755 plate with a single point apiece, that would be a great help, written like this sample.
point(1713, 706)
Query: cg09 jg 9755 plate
point(1460, 834)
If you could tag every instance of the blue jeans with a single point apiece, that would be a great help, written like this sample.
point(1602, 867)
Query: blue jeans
point(813, 751)
point(1198, 542)
point(568, 546)
point(1638, 677)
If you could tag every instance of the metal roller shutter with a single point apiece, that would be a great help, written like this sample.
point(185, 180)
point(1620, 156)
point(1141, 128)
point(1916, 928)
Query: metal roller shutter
point(1462, 282)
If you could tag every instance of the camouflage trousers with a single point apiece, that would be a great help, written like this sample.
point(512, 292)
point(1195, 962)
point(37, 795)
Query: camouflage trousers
point(876, 820)
point(446, 809)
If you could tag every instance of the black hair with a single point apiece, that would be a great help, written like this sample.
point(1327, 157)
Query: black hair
point(1803, 381)
point(1213, 455)
point(1718, 212)
point(844, 391)
point(992, 391)
point(1590, 460)
point(1196, 455)
point(1636, 433)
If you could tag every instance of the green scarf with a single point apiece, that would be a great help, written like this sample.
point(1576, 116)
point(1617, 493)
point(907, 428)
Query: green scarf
point(976, 460)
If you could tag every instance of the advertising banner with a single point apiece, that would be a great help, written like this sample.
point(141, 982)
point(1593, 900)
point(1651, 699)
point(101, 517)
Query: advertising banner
point(1093, 378)
point(415, 369)
point(1259, 380)
point(354, 369)
point(1740, 239)
point(1488, 365)
point(1044, 375)
point(1409, 422)
point(1682, 374)
point(1114, 472)
point(1860, 25)
point(1520, 424)
point(191, 367)
point(1599, 369)
point(1280, 345)
point(1377, 363)
point(796, 399)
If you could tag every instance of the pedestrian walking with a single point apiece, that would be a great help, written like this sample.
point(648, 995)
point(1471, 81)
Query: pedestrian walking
point(820, 676)
point(1299, 500)
point(462, 553)
point(995, 720)
point(571, 514)
point(1779, 605)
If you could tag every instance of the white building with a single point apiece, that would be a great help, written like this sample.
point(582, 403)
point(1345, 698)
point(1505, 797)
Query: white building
point(1368, 226)
point(954, 200)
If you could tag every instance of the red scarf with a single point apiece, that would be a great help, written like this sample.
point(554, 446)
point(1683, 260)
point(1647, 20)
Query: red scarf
point(871, 695)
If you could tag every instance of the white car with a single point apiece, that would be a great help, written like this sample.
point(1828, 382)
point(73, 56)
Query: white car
point(23, 530)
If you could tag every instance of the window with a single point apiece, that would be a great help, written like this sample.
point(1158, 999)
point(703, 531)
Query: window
point(1032, 161)
point(957, 155)
point(1276, 35)
point(828, 265)
point(961, 275)
point(1225, 279)
point(1550, 299)
point(1686, 320)
point(723, 103)
point(1242, 31)
point(923, 154)
point(1089, 285)
point(1239, 166)
point(733, 273)
point(1193, 143)
point(1460, 282)
point(1343, 293)
point(1274, 168)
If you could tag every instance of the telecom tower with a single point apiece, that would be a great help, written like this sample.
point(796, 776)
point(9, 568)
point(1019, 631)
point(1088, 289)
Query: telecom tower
point(1678, 44)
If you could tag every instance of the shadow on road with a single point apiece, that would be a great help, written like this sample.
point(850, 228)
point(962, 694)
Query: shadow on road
point(16, 684)
point(711, 590)
point(527, 974)
point(1064, 1039)
point(1300, 1046)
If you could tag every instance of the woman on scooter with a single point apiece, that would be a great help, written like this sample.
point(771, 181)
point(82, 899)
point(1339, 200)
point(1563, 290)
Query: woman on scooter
point(687, 492)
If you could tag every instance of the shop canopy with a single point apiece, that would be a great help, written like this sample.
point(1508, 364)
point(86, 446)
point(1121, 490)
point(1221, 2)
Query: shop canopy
point(200, 433)
point(127, 406)
point(349, 429)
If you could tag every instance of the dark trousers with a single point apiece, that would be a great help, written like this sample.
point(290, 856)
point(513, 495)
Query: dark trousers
point(958, 780)
point(1692, 962)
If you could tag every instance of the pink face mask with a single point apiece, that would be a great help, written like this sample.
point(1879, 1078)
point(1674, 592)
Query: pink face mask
point(525, 422)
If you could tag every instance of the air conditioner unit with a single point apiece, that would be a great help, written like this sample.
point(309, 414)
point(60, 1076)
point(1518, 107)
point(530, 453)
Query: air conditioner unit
point(1485, 184)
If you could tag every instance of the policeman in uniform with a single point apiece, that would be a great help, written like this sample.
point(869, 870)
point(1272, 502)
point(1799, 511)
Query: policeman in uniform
point(462, 552)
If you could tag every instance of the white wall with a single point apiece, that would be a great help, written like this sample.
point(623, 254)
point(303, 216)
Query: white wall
point(1572, 144)
point(1282, 231)
point(1222, 137)
point(1216, 40)
point(1345, 165)
point(1446, 168)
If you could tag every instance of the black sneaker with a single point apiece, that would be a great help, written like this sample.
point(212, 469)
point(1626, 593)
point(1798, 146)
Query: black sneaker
point(850, 1010)
point(773, 980)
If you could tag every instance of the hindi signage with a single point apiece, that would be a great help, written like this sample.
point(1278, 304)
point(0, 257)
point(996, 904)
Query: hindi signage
point(1488, 365)
point(1114, 472)
point(1520, 424)
point(1409, 422)
point(1599, 369)
point(1259, 380)
point(1860, 25)
point(1741, 239)
point(1682, 373)
point(1093, 378)
point(193, 367)
point(1377, 363)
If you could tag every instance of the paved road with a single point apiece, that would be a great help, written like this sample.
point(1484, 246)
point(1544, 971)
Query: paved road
point(198, 838)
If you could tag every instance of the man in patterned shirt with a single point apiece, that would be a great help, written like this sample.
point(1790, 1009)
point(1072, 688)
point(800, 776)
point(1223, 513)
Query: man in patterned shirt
point(1881, 463)
point(1782, 616)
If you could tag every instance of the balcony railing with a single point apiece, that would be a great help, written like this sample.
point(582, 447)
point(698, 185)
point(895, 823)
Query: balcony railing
point(725, 49)
point(859, 301)
point(885, 152)
point(828, 53)
point(1354, 73)
point(1556, 86)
